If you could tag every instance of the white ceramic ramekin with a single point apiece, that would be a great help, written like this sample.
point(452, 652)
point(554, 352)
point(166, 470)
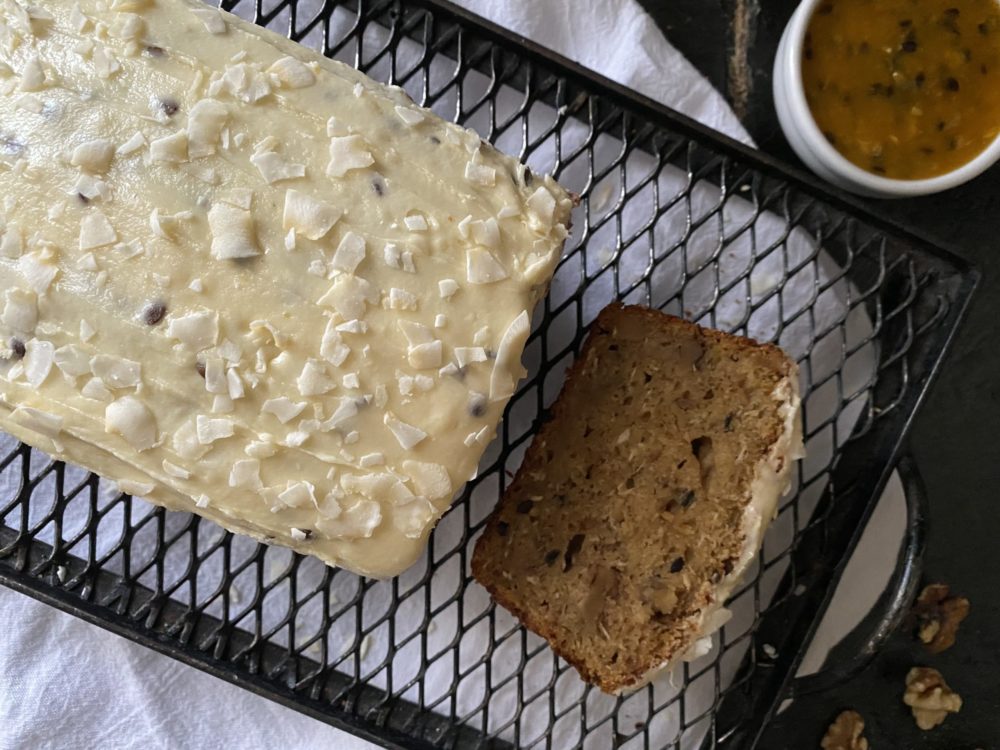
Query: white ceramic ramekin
point(817, 152)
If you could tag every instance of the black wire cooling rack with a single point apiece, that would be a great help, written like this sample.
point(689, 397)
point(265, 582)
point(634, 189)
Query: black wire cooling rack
point(672, 215)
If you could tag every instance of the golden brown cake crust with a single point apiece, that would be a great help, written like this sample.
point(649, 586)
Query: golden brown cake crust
point(628, 509)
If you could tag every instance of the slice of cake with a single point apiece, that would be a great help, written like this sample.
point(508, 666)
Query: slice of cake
point(645, 496)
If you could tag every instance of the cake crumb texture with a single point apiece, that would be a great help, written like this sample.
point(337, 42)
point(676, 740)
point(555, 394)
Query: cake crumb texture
point(628, 515)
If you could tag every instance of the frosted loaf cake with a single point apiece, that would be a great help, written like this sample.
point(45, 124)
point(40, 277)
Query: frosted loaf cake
point(246, 281)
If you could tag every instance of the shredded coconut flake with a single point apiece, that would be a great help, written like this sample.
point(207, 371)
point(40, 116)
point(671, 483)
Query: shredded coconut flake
point(372, 459)
point(275, 168)
point(486, 233)
point(38, 360)
point(95, 389)
point(543, 204)
point(72, 360)
point(93, 156)
point(349, 296)
point(283, 408)
point(425, 356)
point(20, 312)
point(332, 347)
point(447, 288)
point(308, 216)
point(116, 372)
point(260, 448)
point(206, 121)
point(409, 115)
point(133, 144)
point(96, 231)
point(165, 226)
point(210, 429)
point(133, 420)
point(347, 408)
point(298, 495)
point(356, 521)
point(12, 243)
point(416, 223)
point(347, 153)
point(353, 326)
point(291, 73)
point(400, 299)
point(234, 384)
point(245, 82)
point(38, 271)
point(212, 20)
point(171, 149)
point(215, 375)
point(32, 75)
point(134, 488)
point(507, 366)
point(406, 435)
point(233, 233)
point(314, 381)
point(350, 252)
point(416, 333)
point(245, 474)
point(466, 355)
point(178, 472)
point(479, 174)
point(392, 256)
point(482, 267)
point(429, 480)
point(413, 517)
point(197, 331)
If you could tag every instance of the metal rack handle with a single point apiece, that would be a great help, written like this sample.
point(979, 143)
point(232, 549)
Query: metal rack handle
point(847, 658)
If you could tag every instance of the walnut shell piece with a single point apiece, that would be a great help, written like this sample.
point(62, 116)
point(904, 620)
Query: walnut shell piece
point(929, 697)
point(845, 733)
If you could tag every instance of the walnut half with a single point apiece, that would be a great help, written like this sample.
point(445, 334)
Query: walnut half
point(938, 615)
point(929, 697)
point(845, 733)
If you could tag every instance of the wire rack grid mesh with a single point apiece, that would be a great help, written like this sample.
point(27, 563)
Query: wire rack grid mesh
point(667, 218)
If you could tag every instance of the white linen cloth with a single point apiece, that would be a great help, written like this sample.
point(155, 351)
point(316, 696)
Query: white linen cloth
point(69, 684)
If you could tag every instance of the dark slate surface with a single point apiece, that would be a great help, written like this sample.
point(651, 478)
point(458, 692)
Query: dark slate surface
point(955, 438)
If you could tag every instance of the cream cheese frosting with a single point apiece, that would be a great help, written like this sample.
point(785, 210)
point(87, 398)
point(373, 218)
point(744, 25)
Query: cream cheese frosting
point(246, 281)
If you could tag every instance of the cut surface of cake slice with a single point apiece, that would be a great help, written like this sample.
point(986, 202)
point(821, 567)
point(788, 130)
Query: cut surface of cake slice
point(645, 495)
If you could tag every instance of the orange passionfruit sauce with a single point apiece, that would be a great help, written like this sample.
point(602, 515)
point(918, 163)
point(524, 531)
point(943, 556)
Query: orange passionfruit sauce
point(906, 89)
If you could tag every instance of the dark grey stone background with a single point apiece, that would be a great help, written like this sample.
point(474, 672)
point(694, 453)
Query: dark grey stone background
point(956, 437)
